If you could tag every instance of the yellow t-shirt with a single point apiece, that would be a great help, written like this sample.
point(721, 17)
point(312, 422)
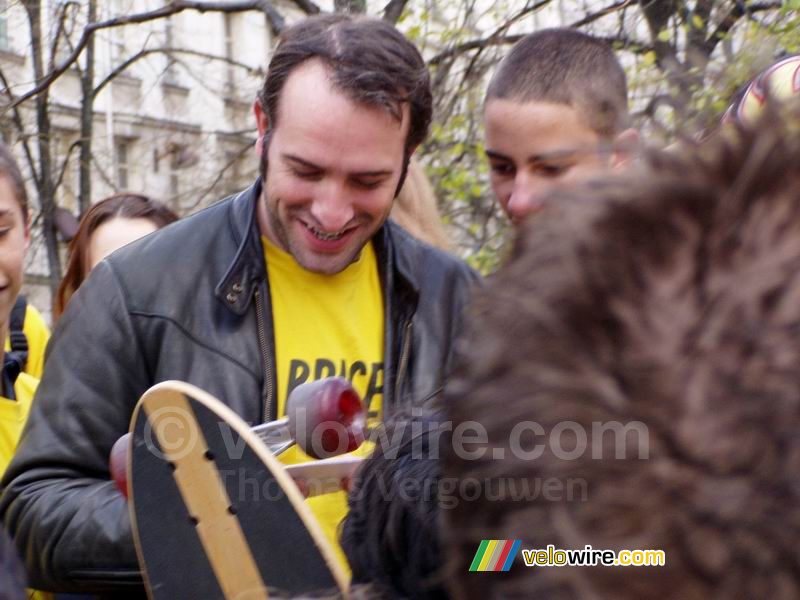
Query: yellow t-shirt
point(13, 414)
point(38, 335)
point(327, 325)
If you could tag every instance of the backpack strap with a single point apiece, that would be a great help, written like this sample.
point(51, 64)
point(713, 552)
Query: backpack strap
point(10, 371)
point(19, 341)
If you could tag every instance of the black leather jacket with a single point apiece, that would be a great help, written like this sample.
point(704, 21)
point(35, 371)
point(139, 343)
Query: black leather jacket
point(189, 302)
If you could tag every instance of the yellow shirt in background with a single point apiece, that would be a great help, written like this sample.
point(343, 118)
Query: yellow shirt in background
point(13, 414)
point(38, 335)
point(327, 325)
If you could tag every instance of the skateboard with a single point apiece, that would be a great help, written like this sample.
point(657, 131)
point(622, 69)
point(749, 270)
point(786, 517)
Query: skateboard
point(214, 513)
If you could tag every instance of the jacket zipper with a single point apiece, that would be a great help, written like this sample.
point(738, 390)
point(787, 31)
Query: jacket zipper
point(401, 369)
point(262, 344)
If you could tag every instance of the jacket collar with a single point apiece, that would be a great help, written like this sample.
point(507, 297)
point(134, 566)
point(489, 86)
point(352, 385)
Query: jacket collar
point(396, 249)
point(247, 269)
point(396, 252)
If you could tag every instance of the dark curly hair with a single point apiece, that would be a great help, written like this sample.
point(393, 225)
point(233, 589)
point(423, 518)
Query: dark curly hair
point(670, 297)
point(391, 532)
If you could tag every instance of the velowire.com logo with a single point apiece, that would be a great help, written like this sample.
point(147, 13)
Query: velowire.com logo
point(495, 555)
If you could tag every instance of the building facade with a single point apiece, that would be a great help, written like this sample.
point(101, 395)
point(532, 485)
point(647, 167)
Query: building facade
point(171, 117)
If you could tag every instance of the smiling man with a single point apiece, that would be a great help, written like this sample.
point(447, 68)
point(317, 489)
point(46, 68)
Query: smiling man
point(299, 277)
point(303, 210)
point(556, 112)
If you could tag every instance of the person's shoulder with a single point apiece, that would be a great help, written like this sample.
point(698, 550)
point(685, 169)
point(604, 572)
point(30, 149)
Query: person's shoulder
point(35, 326)
point(166, 267)
point(214, 220)
point(419, 256)
point(205, 232)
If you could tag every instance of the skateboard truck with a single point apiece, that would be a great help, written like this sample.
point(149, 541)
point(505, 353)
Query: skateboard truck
point(325, 418)
point(321, 415)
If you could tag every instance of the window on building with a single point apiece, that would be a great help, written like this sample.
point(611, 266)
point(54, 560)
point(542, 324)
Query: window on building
point(230, 76)
point(174, 170)
point(171, 70)
point(122, 150)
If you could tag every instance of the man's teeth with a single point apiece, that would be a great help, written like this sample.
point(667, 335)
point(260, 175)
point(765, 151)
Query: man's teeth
point(327, 237)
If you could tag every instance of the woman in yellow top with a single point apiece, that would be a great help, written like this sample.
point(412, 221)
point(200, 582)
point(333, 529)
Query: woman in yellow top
point(18, 387)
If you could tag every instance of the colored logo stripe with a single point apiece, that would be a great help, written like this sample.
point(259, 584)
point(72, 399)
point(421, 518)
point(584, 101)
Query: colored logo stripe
point(498, 550)
point(512, 554)
point(487, 556)
point(479, 555)
point(495, 555)
point(501, 559)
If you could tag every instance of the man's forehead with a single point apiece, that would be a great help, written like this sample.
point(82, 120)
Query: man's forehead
point(536, 130)
point(558, 154)
point(315, 75)
point(320, 127)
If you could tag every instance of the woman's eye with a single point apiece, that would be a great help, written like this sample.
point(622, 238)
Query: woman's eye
point(502, 168)
point(554, 170)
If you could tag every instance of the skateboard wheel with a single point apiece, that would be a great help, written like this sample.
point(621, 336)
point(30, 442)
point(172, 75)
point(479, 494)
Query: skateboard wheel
point(118, 463)
point(326, 417)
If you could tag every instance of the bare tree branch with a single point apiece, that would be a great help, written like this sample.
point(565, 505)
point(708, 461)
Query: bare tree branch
point(44, 189)
point(174, 7)
point(657, 14)
point(629, 44)
point(87, 120)
point(727, 23)
point(307, 7)
point(60, 33)
point(474, 45)
point(350, 6)
point(610, 9)
point(119, 69)
point(17, 118)
point(393, 10)
point(65, 164)
point(496, 38)
point(242, 151)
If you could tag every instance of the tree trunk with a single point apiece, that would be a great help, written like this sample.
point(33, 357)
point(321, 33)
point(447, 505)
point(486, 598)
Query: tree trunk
point(45, 185)
point(87, 113)
point(393, 10)
point(350, 6)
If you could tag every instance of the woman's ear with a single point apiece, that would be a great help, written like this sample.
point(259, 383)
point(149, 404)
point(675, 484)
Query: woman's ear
point(27, 225)
point(263, 125)
point(625, 147)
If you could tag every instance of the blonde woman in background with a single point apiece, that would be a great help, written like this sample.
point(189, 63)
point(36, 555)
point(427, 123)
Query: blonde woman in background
point(415, 209)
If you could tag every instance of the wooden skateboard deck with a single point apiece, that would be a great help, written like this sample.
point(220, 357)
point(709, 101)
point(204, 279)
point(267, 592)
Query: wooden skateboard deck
point(214, 514)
